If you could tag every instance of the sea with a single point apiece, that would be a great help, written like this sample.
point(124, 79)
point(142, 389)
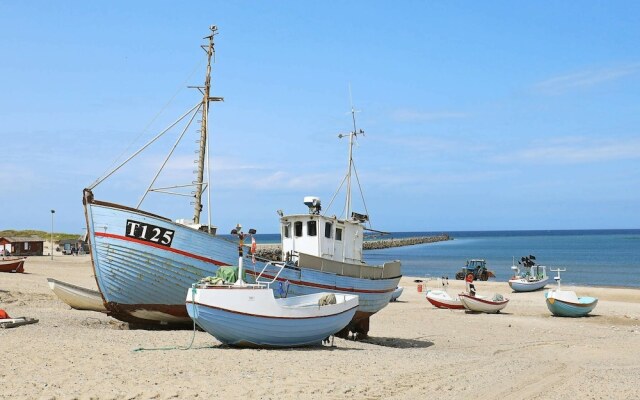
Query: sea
point(591, 257)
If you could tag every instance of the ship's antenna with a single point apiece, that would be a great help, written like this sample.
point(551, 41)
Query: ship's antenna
point(203, 150)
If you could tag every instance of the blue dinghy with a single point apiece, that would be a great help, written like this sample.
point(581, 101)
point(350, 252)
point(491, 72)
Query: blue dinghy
point(565, 303)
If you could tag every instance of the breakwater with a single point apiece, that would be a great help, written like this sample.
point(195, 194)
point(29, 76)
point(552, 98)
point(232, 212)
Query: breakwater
point(274, 252)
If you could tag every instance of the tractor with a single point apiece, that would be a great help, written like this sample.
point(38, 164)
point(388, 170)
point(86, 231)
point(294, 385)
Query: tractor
point(476, 267)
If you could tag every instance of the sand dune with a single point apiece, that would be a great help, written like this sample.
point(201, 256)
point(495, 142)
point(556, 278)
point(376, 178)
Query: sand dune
point(414, 351)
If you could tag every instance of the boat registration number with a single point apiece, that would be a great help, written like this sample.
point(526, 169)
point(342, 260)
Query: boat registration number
point(149, 233)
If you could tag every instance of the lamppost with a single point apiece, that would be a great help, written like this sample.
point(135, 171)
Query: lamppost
point(52, 212)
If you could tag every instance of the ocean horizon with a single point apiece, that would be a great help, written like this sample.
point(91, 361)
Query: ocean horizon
point(592, 257)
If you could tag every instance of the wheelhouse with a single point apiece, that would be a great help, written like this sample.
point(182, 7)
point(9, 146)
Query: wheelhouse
point(322, 236)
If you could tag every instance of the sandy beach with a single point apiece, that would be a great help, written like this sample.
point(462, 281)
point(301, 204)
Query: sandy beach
point(414, 351)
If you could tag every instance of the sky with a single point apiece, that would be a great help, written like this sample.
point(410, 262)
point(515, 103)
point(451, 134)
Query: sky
point(477, 115)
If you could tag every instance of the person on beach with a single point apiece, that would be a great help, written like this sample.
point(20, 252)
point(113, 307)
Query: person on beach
point(470, 286)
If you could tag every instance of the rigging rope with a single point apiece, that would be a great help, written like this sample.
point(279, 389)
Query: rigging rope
point(146, 128)
point(361, 192)
point(193, 335)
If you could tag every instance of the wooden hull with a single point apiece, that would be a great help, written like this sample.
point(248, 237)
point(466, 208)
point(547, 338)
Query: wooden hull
point(255, 318)
point(12, 264)
point(77, 297)
point(144, 282)
point(442, 299)
point(482, 304)
point(523, 285)
point(579, 307)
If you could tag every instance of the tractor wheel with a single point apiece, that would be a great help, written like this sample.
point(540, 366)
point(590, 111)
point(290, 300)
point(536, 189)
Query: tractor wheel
point(459, 276)
point(484, 276)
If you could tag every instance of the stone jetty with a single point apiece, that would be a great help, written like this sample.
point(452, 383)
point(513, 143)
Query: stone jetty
point(273, 251)
point(388, 243)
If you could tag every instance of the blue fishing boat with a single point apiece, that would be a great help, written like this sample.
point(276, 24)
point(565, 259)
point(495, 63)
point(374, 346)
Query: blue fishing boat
point(565, 303)
point(144, 262)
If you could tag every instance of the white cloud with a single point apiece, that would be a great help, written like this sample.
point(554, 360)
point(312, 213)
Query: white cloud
point(576, 150)
point(584, 79)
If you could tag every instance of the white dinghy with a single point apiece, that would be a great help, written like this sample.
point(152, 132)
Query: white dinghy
point(442, 299)
point(249, 315)
point(76, 296)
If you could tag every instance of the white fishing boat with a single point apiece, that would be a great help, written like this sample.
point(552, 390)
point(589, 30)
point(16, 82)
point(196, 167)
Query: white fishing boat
point(249, 315)
point(76, 296)
point(323, 252)
point(442, 299)
point(565, 303)
point(486, 304)
point(531, 277)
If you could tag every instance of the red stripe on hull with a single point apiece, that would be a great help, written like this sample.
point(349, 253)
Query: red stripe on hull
point(157, 246)
point(445, 305)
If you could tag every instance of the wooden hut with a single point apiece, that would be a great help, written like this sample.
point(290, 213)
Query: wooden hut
point(22, 246)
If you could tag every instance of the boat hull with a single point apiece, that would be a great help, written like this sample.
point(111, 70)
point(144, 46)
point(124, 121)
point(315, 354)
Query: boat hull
point(523, 285)
point(397, 293)
point(482, 304)
point(143, 282)
point(442, 299)
point(373, 294)
point(77, 297)
point(564, 308)
point(12, 264)
point(255, 318)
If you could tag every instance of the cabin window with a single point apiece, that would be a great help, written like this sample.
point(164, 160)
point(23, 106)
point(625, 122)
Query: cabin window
point(286, 230)
point(312, 229)
point(338, 233)
point(327, 229)
point(297, 229)
point(26, 245)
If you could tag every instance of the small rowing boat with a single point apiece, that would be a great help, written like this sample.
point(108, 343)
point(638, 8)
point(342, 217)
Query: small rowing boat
point(12, 264)
point(485, 304)
point(76, 296)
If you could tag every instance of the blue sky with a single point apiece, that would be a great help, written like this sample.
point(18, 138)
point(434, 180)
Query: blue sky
point(478, 115)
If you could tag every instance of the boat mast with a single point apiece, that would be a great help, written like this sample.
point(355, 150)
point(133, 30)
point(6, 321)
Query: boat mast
point(352, 135)
point(203, 154)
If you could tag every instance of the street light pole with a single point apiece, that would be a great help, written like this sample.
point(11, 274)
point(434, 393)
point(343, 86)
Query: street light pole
point(52, 212)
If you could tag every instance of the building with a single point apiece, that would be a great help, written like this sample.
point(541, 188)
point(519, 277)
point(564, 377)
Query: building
point(69, 246)
point(22, 246)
